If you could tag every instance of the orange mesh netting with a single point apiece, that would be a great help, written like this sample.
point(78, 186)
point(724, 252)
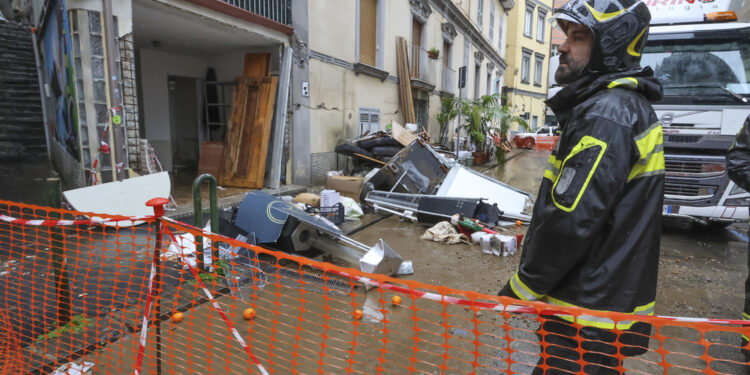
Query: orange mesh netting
point(83, 290)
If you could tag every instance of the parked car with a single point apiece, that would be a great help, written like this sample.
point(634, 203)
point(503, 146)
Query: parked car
point(547, 135)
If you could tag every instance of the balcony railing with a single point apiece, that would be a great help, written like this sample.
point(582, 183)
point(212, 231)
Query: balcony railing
point(449, 84)
point(420, 66)
point(276, 10)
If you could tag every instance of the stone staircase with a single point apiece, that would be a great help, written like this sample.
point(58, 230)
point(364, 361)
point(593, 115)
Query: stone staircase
point(21, 123)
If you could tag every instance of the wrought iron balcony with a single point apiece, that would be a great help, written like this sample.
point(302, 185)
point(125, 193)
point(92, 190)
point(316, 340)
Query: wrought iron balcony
point(275, 10)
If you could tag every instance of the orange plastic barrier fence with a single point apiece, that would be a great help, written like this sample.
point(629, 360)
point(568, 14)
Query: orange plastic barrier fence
point(261, 311)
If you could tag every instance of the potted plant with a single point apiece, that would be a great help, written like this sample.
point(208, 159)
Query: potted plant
point(486, 122)
point(433, 53)
point(476, 126)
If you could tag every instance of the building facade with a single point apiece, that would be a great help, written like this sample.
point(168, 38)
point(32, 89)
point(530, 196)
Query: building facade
point(170, 55)
point(528, 60)
point(353, 64)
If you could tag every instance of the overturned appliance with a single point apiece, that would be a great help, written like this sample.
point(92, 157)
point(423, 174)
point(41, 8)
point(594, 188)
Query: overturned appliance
point(284, 226)
point(467, 183)
point(431, 209)
point(419, 170)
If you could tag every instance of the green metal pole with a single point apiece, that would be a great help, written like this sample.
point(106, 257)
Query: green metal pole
point(57, 248)
point(198, 216)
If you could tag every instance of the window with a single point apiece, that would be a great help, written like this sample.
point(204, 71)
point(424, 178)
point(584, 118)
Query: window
point(525, 66)
point(538, 65)
point(540, 26)
point(492, 22)
point(497, 85)
point(367, 31)
point(527, 25)
point(369, 120)
point(477, 81)
point(535, 122)
point(416, 58)
point(500, 34)
point(479, 13)
point(489, 83)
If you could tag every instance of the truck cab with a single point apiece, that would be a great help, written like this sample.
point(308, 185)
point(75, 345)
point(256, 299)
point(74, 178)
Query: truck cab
point(701, 56)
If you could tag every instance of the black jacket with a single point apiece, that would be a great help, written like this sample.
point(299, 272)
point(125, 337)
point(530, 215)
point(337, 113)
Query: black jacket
point(593, 241)
point(738, 165)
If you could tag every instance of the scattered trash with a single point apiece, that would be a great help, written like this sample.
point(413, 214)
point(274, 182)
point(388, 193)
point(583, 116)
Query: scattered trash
point(352, 209)
point(308, 198)
point(444, 232)
point(72, 368)
point(430, 209)
point(290, 229)
point(348, 186)
point(329, 198)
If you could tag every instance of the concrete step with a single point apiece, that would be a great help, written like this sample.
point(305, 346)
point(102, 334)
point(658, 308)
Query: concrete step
point(9, 60)
point(24, 119)
point(17, 52)
point(7, 95)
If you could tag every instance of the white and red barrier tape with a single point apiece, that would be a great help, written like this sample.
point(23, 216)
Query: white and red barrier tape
point(62, 223)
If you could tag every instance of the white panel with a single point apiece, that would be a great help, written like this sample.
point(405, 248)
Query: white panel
point(125, 198)
point(465, 183)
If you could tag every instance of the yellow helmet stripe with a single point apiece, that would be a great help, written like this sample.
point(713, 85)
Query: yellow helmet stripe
point(601, 17)
point(631, 46)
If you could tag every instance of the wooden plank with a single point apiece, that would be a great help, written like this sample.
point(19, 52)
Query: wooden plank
point(211, 160)
point(246, 145)
point(257, 65)
point(400, 134)
point(404, 80)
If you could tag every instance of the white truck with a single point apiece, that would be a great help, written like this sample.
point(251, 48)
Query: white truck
point(701, 56)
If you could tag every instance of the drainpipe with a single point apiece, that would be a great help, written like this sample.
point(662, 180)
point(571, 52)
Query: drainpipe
point(41, 91)
point(115, 96)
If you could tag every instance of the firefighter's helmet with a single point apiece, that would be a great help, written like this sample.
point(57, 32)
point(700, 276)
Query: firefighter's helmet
point(619, 29)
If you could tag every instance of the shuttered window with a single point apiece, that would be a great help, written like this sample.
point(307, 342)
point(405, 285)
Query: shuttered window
point(369, 120)
point(367, 31)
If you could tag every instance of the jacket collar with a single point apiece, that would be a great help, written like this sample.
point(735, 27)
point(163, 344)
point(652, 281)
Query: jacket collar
point(639, 80)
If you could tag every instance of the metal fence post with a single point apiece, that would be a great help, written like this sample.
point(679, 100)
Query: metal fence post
point(198, 216)
point(158, 205)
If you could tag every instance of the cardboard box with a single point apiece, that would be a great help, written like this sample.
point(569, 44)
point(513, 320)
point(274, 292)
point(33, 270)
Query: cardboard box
point(348, 186)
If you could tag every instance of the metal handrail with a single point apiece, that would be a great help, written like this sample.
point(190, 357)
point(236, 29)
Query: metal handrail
point(276, 10)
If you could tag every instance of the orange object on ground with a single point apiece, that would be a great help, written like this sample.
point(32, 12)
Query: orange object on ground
point(249, 313)
point(358, 314)
point(178, 317)
point(396, 300)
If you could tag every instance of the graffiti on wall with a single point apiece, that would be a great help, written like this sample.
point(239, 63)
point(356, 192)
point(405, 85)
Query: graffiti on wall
point(55, 43)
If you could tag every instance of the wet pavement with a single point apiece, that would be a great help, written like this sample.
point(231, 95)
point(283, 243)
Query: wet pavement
point(701, 274)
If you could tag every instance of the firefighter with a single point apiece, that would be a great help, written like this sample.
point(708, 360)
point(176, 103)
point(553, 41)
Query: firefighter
point(738, 165)
point(593, 241)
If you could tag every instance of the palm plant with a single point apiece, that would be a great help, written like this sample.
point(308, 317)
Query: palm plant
point(448, 112)
point(484, 116)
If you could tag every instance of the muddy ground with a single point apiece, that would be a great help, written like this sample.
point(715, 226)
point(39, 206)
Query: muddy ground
point(701, 272)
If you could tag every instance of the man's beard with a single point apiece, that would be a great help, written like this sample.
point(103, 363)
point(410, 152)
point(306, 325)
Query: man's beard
point(568, 73)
